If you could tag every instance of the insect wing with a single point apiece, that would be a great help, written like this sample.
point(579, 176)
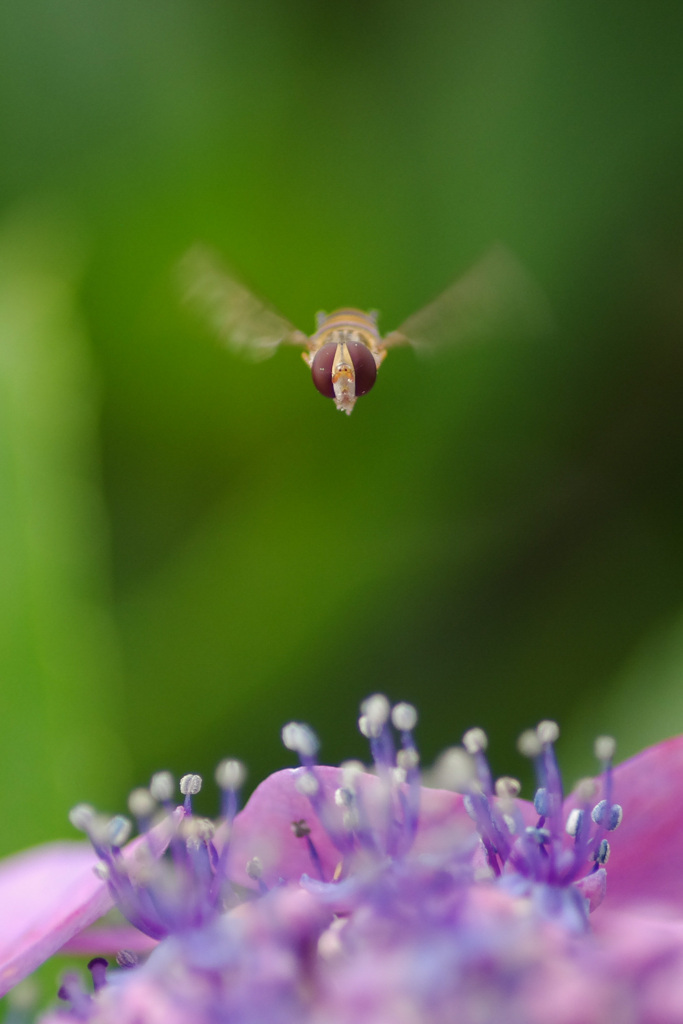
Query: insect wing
point(244, 322)
point(497, 297)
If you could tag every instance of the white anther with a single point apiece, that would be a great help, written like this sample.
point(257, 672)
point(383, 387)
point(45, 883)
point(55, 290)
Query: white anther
point(585, 790)
point(604, 747)
point(306, 784)
point(350, 771)
point(161, 786)
point(98, 830)
point(574, 819)
point(508, 788)
point(455, 770)
point(475, 740)
point(190, 785)
point(398, 775)
point(254, 868)
point(81, 816)
point(404, 717)
point(547, 732)
point(364, 727)
point(408, 758)
point(196, 831)
point(528, 744)
point(118, 830)
point(141, 803)
point(300, 738)
point(343, 797)
point(205, 828)
point(230, 774)
point(376, 707)
point(102, 871)
point(507, 791)
point(375, 714)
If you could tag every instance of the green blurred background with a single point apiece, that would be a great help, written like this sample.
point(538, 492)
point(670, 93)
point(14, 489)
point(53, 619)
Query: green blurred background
point(195, 549)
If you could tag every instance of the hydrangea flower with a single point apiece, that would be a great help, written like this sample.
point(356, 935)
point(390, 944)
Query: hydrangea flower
point(348, 896)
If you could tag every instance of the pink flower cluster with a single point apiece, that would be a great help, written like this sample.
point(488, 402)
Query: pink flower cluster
point(342, 896)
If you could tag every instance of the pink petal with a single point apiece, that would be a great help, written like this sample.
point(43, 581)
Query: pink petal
point(593, 888)
point(264, 828)
point(649, 952)
point(444, 824)
point(645, 863)
point(50, 893)
point(47, 895)
point(110, 939)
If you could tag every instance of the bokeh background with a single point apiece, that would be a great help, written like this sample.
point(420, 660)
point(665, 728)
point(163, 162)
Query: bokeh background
point(195, 549)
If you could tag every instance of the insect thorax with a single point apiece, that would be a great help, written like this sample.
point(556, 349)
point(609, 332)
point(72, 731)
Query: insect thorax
point(344, 336)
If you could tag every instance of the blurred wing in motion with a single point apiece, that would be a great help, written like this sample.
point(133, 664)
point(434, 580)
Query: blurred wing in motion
point(497, 297)
point(244, 322)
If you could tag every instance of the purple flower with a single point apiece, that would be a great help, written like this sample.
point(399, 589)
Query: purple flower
point(342, 896)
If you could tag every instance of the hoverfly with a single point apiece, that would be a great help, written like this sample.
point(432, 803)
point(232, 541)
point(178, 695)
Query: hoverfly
point(497, 295)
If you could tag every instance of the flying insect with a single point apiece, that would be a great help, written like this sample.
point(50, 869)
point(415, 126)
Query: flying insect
point(496, 296)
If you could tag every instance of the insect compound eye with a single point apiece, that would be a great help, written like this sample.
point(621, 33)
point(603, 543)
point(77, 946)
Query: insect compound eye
point(321, 369)
point(365, 366)
point(363, 363)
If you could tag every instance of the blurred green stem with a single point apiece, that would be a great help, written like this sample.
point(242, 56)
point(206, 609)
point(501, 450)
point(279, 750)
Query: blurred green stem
point(57, 649)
